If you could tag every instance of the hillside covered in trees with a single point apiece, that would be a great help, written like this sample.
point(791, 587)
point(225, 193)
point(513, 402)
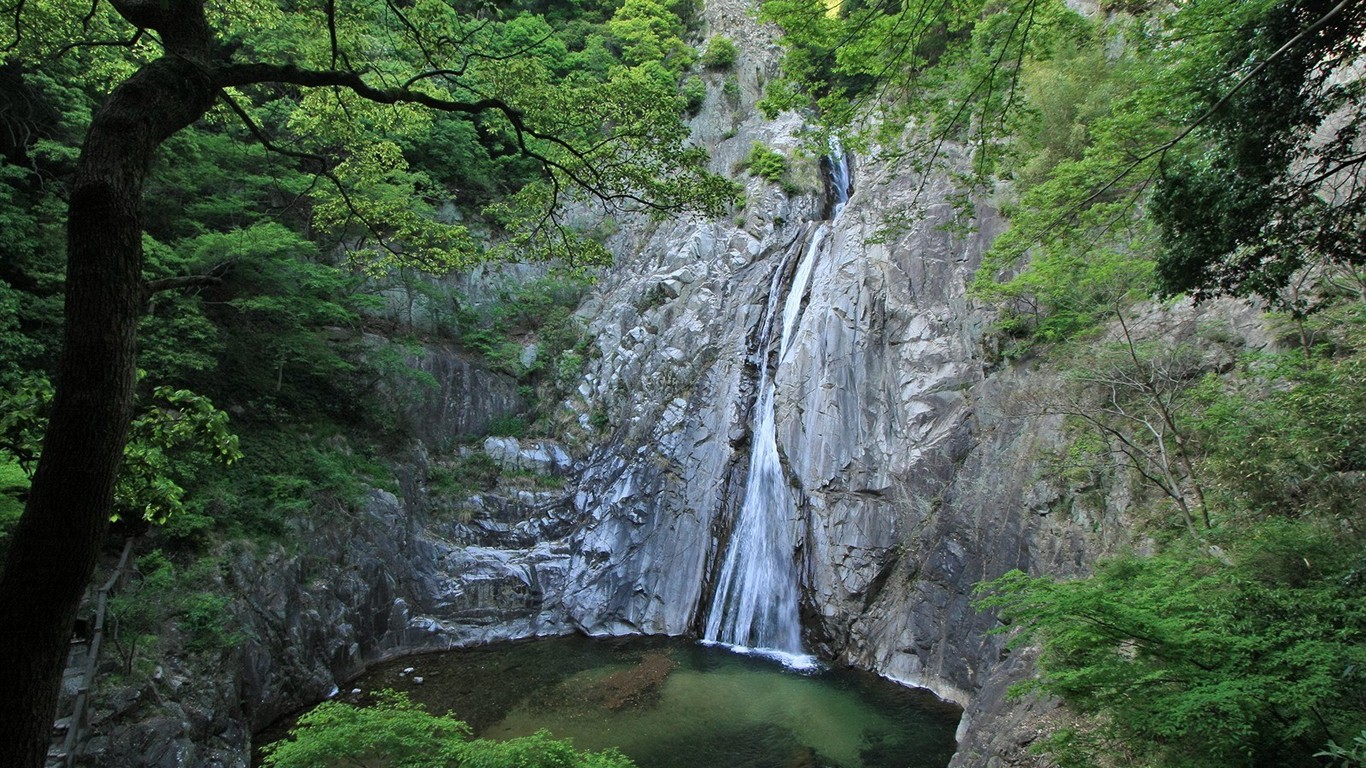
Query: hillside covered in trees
point(230, 227)
point(1147, 152)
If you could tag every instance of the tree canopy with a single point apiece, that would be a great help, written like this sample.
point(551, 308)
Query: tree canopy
point(384, 110)
point(1208, 148)
point(1236, 125)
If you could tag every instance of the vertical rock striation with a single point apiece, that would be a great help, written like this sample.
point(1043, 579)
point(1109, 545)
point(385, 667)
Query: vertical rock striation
point(914, 464)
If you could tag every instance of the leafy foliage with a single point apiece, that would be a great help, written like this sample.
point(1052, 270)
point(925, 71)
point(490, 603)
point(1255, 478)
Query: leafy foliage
point(340, 95)
point(295, 264)
point(175, 435)
point(469, 473)
point(1192, 661)
point(532, 317)
point(169, 442)
point(396, 732)
point(720, 53)
point(1235, 124)
point(166, 606)
point(1136, 397)
point(765, 162)
point(13, 486)
point(1350, 756)
point(1286, 436)
point(649, 31)
point(1239, 644)
point(1271, 183)
point(694, 90)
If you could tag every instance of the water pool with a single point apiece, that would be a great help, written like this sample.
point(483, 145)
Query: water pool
point(670, 703)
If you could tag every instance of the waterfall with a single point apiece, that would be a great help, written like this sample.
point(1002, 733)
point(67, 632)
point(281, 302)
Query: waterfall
point(756, 604)
point(839, 177)
point(756, 601)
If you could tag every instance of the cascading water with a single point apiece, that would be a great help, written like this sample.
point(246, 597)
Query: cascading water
point(755, 607)
point(839, 178)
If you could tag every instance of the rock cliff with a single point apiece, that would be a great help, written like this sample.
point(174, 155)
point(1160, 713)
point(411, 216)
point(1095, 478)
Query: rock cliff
point(920, 461)
point(916, 457)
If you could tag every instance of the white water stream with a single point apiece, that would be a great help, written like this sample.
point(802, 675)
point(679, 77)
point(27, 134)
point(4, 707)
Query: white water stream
point(755, 608)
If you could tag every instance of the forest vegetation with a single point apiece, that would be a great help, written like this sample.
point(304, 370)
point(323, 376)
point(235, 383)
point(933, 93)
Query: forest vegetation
point(1148, 152)
point(1209, 149)
point(228, 189)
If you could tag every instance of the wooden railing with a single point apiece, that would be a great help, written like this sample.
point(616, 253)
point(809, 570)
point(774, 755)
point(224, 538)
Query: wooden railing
point(75, 733)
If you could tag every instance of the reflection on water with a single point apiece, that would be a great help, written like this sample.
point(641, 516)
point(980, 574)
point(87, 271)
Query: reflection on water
point(675, 704)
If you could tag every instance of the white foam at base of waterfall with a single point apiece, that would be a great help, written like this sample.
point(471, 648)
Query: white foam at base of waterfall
point(800, 662)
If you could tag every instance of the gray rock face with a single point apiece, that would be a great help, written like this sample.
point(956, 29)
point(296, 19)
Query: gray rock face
point(450, 396)
point(388, 580)
point(913, 487)
point(542, 456)
point(919, 465)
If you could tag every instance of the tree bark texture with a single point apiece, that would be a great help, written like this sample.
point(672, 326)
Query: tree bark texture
point(58, 540)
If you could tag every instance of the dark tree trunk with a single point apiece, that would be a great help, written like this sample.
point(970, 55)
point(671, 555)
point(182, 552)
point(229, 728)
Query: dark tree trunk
point(58, 539)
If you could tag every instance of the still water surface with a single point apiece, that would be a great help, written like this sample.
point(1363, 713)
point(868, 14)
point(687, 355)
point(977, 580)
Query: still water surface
point(670, 703)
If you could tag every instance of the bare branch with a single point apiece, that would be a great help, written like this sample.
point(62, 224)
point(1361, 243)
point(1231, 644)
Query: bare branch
point(90, 15)
point(151, 287)
point(16, 12)
point(69, 47)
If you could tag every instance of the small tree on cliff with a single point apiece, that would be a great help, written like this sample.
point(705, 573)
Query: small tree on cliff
point(618, 139)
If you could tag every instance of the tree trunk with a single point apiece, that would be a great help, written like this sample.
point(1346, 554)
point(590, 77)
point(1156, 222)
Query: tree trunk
point(58, 539)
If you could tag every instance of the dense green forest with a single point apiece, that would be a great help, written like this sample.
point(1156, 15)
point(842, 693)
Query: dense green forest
point(287, 270)
point(1209, 149)
point(287, 228)
point(240, 186)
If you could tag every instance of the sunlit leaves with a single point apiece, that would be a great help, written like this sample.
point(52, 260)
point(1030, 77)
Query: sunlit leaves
point(589, 130)
point(392, 729)
point(1195, 660)
point(1245, 127)
point(377, 207)
point(395, 732)
point(649, 31)
point(178, 429)
point(23, 419)
point(173, 433)
point(536, 233)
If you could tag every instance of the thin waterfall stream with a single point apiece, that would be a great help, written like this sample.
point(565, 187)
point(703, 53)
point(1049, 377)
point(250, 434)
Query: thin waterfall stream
point(756, 604)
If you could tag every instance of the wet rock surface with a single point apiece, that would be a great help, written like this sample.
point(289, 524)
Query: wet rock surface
point(918, 458)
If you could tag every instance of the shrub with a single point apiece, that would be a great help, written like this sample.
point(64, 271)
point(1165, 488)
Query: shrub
point(765, 163)
point(396, 732)
point(720, 53)
point(507, 426)
point(468, 474)
point(694, 94)
point(205, 622)
point(731, 88)
point(1247, 658)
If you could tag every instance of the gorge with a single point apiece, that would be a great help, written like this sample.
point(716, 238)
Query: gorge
point(801, 429)
point(882, 416)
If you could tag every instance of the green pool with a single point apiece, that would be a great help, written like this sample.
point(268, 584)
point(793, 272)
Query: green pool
point(671, 703)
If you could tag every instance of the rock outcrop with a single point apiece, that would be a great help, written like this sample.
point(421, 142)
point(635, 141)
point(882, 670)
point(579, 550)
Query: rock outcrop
point(922, 462)
point(408, 570)
point(919, 461)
